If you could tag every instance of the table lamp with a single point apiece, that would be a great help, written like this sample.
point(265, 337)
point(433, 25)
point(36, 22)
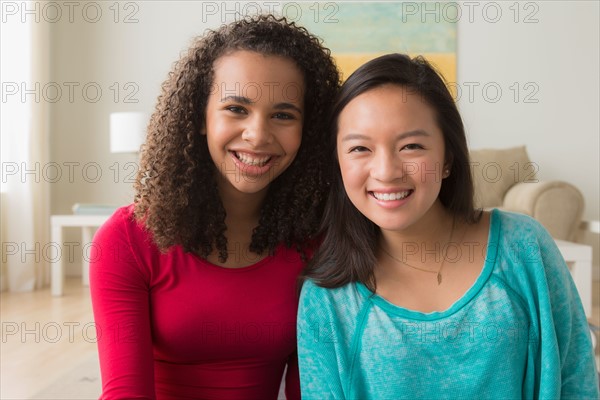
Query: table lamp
point(127, 131)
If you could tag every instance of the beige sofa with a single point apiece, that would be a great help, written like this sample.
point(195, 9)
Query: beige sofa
point(506, 179)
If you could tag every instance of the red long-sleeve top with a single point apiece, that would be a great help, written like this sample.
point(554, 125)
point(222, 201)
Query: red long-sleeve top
point(174, 326)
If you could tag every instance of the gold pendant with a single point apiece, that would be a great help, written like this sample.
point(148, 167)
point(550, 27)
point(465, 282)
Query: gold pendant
point(439, 278)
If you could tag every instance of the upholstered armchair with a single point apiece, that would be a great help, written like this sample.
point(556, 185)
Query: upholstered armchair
point(506, 179)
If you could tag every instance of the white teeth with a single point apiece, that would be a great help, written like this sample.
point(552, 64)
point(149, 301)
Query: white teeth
point(253, 161)
point(391, 196)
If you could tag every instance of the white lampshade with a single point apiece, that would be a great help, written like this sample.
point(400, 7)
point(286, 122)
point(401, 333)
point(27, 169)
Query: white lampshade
point(127, 131)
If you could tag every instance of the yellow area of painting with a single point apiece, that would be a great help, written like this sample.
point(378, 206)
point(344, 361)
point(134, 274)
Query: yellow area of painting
point(445, 63)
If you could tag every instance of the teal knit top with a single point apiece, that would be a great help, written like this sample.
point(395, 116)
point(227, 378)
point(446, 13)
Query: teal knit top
point(519, 332)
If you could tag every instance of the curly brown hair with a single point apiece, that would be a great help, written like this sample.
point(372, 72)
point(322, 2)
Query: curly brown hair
point(176, 191)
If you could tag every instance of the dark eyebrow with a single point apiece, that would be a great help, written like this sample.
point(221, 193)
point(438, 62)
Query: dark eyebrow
point(237, 99)
point(287, 106)
point(245, 100)
point(418, 132)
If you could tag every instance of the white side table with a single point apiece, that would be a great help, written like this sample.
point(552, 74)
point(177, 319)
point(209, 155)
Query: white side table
point(87, 223)
point(579, 256)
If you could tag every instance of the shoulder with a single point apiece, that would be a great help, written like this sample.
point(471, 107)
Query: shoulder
point(519, 231)
point(347, 298)
point(119, 219)
point(120, 245)
point(333, 314)
point(121, 226)
point(516, 224)
point(310, 290)
point(522, 240)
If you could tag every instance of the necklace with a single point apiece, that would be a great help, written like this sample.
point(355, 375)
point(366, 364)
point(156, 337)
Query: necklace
point(439, 271)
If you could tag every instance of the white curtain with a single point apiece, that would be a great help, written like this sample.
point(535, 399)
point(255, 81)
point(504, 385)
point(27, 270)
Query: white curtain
point(25, 154)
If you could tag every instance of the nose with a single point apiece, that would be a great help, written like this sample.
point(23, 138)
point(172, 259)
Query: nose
point(257, 131)
point(386, 167)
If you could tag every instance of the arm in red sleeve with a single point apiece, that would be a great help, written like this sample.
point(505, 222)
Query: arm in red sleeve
point(120, 299)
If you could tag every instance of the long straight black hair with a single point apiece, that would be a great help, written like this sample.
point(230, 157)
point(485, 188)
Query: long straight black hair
point(347, 252)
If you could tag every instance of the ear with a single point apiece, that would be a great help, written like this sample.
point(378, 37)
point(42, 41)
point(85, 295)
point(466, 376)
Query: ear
point(447, 169)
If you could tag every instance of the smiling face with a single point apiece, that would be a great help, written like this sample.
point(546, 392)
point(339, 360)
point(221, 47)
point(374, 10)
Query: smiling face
point(253, 119)
point(391, 155)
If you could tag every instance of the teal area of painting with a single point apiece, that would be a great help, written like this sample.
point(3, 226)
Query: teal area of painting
point(409, 27)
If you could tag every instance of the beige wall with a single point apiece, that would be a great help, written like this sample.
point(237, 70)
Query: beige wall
point(557, 57)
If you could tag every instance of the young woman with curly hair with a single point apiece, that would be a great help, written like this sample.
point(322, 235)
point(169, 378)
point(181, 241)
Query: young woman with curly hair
point(194, 291)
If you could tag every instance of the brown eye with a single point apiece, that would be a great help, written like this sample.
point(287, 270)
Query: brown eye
point(236, 109)
point(282, 115)
point(413, 146)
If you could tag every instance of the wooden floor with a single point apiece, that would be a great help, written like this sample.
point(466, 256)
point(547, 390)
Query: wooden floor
point(43, 337)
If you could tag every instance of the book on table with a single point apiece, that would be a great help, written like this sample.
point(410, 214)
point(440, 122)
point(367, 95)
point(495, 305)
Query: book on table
point(93, 209)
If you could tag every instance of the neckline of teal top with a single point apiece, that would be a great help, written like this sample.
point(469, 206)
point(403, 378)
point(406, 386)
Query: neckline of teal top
point(488, 267)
